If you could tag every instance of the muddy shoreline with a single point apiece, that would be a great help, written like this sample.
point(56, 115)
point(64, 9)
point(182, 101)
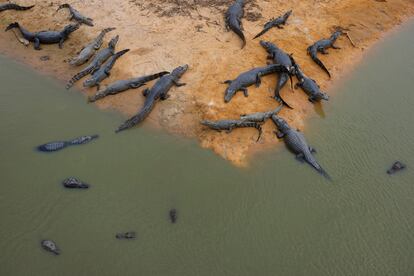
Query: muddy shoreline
point(197, 37)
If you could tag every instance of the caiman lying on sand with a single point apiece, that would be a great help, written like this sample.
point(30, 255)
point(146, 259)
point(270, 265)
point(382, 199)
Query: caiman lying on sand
point(261, 117)
point(96, 63)
point(123, 85)
point(229, 125)
point(77, 16)
point(105, 71)
point(55, 146)
point(278, 22)
point(45, 37)
point(296, 142)
point(158, 91)
point(251, 77)
point(308, 85)
point(12, 6)
point(321, 46)
point(279, 57)
point(233, 17)
point(89, 50)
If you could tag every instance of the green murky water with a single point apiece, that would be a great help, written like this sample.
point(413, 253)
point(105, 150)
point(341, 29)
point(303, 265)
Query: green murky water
point(277, 218)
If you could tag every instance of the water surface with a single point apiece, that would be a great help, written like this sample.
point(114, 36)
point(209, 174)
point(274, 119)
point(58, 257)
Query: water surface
point(277, 218)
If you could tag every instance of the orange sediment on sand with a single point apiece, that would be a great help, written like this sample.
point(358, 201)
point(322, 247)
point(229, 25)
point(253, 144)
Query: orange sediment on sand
point(165, 34)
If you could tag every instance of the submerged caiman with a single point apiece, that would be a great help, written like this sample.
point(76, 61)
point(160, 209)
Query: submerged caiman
point(308, 85)
point(45, 37)
point(123, 85)
point(296, 142)
point(12, 6)
point(55, 146)
point(278, 22)
point(105, 71)
point(251, 77)
point(321, 46)
point(279, 57)
point(229, 125)
point(96, 63)
point(77, 16)
point(233, 17)
point(89, 50)
point(158, 91)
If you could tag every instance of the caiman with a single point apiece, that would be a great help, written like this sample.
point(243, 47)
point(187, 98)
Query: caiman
point(12, 6)
point(105, 71)
point(296, 142)
point(96, 63)
point(278, 23)
point(89, 50)
point(45, 37)
point(279, 57)
point(126, 236)
point(261, 117)
point(229, 125)
point(50, 246)
point(308, 85)
point(74, 183)
point(77, 16)
point(251, 77)
point(123, 85)
point(321, 46)
point(233, 17)
point(396, 167)
point(158, 91)
point(55, 146)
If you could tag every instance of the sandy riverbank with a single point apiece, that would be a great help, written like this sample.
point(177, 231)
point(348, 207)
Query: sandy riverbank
point(165, 34)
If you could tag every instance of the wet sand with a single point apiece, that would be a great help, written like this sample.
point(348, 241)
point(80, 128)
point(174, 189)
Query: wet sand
point(164, 34)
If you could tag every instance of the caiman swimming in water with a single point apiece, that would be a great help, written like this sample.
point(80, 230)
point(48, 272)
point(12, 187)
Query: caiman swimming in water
point(296, 142)
point(158, 91)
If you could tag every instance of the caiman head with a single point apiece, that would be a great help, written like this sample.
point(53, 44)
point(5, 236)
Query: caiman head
point(323, 96)
point(70, 28)
point(287, 14)
point(113, 42)
point(280, 123)
point(267, 45)
point(207, 123)
point(229, 93)
point(179, 71)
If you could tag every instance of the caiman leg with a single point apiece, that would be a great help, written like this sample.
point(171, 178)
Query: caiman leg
point(145, 92)
point(178, 84)
point(336, 47)
point(258, 80)
point(37, 44)
point(245, 92)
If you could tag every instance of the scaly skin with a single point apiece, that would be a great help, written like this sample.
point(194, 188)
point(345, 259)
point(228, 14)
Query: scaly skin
point(261, 117)
point(280, 57)
point(77, 16)
point(308, 85)
point(11, 6)
point(158, 91)
point(278, 22)
point(249, 78)
point(96, 63)
point(55, 146)
point(104, 71)
point(229, 125)
point(123, 85)
point(296, 142)
point(321, 46)
point(89, 50)
point(233, 17)
point(45, 37)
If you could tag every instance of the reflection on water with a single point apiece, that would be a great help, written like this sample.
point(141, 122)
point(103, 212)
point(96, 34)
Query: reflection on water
point(277, 218)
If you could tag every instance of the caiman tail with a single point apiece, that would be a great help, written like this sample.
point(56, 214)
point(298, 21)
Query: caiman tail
point(78, 76)
point(318, 168)
point(261, 33)
point(12, 26)
point(319, 62)
point(154, 76)
point(240, 34)
point(282, 80)
point(16, 7)
point(63, 6)
point(143, 113)
point(259, 128)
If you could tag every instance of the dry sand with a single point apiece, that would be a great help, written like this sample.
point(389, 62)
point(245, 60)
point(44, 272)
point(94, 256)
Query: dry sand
point(164, 34)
